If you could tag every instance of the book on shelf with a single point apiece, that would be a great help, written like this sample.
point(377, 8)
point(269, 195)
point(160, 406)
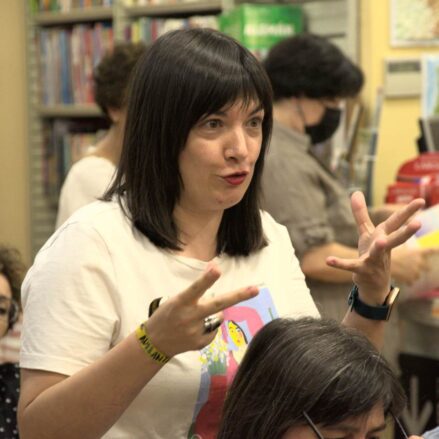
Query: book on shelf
point(149, 29)
point(146, 2)
point(67, 57)
point(67, 5)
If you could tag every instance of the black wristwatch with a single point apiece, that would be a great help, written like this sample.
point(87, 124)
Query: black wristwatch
point(372, 312)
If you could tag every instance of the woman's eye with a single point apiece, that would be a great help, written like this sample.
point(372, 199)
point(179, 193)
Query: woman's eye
point(3, 311)
point(256, 122)
point(213, 123)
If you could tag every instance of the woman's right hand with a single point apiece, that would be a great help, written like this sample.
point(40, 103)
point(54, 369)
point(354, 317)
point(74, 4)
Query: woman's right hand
point(178, 325)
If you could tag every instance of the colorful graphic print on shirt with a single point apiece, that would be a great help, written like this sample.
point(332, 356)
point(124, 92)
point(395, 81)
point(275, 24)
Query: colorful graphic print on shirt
point(220, 360)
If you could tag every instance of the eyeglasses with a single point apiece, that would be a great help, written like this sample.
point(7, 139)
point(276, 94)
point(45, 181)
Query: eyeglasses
point(320, 436)
point(9, 310)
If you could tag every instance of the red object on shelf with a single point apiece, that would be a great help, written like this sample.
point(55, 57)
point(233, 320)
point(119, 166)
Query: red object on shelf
point(416, 178)
point(403, 192)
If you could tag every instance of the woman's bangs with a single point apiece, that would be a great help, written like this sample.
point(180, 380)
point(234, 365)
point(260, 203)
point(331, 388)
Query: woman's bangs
point(226, 89)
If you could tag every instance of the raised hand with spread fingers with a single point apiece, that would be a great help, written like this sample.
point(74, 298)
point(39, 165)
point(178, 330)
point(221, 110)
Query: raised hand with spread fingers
point(371, 271)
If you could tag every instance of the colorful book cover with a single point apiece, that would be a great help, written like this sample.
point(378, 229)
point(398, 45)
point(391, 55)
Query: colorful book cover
point(429, 219)
point(75, 64)
point(427, 286)
point(66, 80)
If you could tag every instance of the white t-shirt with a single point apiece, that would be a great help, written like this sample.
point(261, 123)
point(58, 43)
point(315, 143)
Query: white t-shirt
point(87, 180)
point(91, 285)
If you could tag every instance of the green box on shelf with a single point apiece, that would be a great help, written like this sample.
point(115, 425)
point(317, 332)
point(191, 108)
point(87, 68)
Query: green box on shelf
point(258, 27)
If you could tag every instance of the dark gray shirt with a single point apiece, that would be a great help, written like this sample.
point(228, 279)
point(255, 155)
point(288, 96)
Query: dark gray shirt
point(303, 194)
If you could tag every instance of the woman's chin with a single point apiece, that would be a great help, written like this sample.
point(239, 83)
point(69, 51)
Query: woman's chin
point(227, 203)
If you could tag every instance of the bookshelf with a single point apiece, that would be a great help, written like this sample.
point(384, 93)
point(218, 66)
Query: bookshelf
point(74, 16)
point(59, 107)
point(336, 19)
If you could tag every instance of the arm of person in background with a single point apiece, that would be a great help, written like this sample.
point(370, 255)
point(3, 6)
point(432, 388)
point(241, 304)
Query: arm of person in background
point(371, 269)
point(378, 214)
point(53, 405)
point(408, 263)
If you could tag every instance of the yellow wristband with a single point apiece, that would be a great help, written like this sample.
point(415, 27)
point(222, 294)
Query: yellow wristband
point(148, 347)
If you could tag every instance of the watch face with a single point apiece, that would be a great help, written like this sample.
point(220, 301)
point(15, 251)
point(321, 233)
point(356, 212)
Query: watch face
point(392, 296)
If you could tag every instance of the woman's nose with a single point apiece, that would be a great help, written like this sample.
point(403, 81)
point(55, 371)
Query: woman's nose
point(237, 147)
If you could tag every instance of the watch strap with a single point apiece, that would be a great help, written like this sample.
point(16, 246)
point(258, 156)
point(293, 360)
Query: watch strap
point(381, 312)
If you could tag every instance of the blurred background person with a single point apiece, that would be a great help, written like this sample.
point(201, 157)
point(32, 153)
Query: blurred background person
point(311, 77)
point(88, 178)
point(12, 271)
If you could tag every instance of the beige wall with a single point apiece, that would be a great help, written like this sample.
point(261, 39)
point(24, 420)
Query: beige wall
point(399, 126)
point(14, 178)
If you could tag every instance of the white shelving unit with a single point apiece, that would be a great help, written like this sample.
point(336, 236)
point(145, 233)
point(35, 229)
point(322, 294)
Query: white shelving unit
point(336, 19)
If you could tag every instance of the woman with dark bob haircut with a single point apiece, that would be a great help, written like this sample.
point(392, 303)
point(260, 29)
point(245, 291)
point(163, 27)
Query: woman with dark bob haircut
point(180, 234)
point(309, 379)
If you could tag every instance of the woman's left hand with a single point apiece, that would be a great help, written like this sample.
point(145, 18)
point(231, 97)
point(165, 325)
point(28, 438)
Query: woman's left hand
point(371, 270)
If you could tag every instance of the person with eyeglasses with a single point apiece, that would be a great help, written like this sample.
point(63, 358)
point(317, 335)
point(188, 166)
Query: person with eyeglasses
point(311, 379)
point(12, 271)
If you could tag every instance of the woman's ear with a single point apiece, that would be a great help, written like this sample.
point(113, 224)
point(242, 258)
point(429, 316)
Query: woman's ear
point(115, 114)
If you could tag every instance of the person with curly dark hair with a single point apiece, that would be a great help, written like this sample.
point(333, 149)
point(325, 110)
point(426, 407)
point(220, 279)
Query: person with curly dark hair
point(88, 178)
point(12, 271)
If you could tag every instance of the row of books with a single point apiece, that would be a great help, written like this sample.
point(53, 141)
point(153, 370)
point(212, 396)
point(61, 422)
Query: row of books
point(67, 59)
point(69, 5)
point(66, 5)
point(149, 29)
point(155, 2)
point(65, 142)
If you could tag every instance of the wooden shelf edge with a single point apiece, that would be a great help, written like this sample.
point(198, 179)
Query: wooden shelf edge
point(74, 16)
point(195, 7)
point(69, 111)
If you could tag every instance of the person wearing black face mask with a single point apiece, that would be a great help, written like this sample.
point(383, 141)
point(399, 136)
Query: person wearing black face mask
point(311, 77)
point(326, 128)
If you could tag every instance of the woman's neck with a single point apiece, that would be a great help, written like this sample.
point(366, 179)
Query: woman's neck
point(110, 146)
point(198, 232)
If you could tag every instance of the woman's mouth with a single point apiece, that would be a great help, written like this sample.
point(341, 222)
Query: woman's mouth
point(236, 179)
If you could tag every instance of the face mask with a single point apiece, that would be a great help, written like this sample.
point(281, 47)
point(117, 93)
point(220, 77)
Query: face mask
point(325, 129)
